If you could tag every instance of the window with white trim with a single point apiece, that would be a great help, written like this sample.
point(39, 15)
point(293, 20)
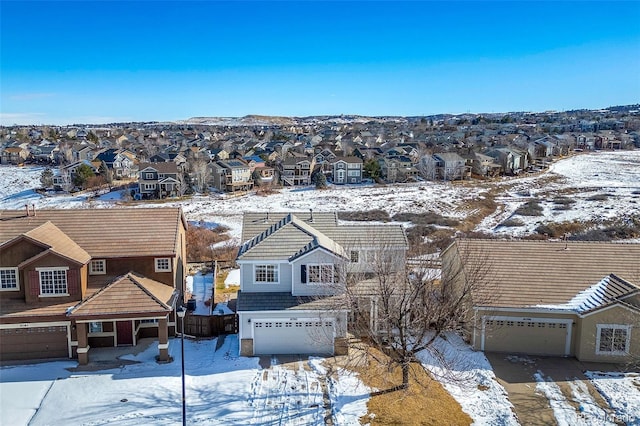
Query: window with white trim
point(267, 273)
point(98, 267)
point(95, 327)
point(163, 264)
point(613, 339)
point(9, 279)
point(148, 175)
point(53, 282)
point(149, 186)
point(320, 274)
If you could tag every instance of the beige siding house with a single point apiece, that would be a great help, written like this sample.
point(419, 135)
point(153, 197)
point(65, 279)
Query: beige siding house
point(577, 299)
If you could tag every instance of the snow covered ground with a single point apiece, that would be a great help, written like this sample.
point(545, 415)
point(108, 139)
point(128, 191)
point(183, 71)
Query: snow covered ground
point(467, 375)
point(600, 185)
point(221, 389)
point(583, 412)
point(622, 392)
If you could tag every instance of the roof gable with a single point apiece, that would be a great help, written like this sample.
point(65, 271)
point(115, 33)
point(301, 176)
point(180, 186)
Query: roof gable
point(130, 293)
point(55, 242)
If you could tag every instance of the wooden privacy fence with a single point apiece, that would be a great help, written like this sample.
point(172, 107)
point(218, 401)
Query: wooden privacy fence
point(210, 326)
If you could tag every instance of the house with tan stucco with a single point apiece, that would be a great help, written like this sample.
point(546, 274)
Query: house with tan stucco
point(72, 280)
point(553, 298)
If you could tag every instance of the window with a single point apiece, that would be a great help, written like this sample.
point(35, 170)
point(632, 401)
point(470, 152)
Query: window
point(98, 267)
point(354, 173)
point(9, 279)
point(163, 264)
point(320, 274)
point(95, 327)
point(613, 339)
point(354, 256)
point(53, 282)
point(149, 186)
point(148, 176)
point(266, 274)
point(149, 321)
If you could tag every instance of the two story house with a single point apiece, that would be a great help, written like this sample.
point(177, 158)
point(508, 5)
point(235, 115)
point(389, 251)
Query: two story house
point(159, 180)
point(71, 280)
point(296, 171)
point(346, 170)
point(120, 161)
point(450, 166)
point(231, 175)
point(294, 272)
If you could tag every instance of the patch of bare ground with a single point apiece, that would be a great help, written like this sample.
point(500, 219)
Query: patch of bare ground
point(425, 402)
point(479, 208)
point(222, 293)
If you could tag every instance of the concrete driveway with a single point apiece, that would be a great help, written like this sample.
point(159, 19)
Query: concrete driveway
point(516, 374)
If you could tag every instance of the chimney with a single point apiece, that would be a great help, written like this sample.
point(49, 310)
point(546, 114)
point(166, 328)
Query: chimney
point(26, 206)
point(33, 209)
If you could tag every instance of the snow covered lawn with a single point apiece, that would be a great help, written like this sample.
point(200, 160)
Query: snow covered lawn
point(221, 389)
point(468, 377)
point(622, 392)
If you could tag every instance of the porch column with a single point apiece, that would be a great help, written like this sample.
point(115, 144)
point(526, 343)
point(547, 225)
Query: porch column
point(83, 343)
point(163, 340)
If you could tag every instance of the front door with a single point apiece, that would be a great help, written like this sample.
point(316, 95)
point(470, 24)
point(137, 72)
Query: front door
point(124, 331)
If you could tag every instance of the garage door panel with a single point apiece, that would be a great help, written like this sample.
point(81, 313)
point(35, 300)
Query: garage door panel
point(293, 337)
point(34, 342)
point(535, 337)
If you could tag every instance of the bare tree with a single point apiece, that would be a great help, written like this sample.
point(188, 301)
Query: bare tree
point(402, 306)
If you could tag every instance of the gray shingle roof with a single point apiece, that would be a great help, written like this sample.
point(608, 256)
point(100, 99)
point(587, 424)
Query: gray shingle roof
point(329, 233)
point(279, 301)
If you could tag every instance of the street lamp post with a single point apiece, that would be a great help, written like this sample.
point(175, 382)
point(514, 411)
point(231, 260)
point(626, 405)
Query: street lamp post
point(181, 313)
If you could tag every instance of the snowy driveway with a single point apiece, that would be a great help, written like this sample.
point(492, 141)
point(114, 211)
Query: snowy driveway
point(547, 390)
point(221, 389)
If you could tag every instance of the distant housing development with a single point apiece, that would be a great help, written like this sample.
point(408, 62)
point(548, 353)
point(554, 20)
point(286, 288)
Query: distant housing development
point(210, 155)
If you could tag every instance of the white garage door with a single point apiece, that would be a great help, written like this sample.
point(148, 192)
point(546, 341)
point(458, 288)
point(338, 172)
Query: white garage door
point(303, 336)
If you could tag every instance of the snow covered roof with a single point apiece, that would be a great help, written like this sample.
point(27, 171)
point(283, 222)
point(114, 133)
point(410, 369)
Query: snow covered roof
point(606, 292)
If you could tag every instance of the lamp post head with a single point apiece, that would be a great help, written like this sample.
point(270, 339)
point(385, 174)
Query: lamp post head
point(181, 312)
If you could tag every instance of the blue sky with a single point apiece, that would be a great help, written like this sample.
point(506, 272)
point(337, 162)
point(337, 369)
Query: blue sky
point(99, 62)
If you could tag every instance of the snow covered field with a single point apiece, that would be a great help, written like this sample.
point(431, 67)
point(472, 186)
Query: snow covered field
point(600, 185)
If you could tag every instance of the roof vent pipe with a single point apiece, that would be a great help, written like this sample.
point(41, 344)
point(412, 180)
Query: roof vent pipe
point(311, 213)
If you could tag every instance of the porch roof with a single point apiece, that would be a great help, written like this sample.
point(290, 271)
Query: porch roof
point(128, 294)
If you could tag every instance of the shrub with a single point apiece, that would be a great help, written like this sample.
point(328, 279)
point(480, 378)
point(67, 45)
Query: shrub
point(369, 215)
point(599, 197)
point(429, 218)
point(563, 201)
point(200, 239)
point(512, 222)
point(530, 208)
